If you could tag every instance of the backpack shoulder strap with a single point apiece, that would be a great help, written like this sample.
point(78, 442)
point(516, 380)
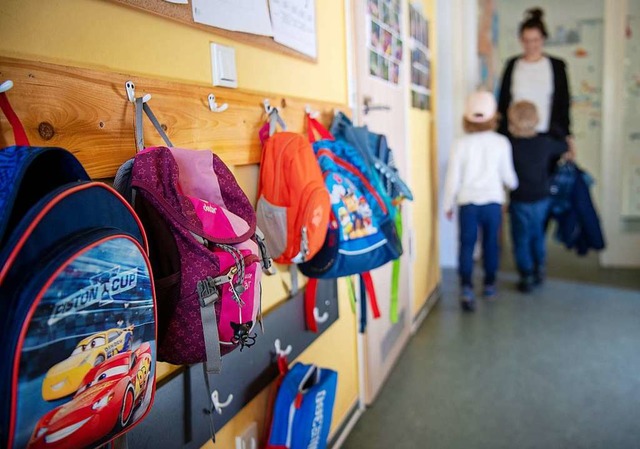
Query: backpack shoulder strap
point(19, 134)
point(310, 304)
point(367, 289)
point(315, 125)
point(140, 107)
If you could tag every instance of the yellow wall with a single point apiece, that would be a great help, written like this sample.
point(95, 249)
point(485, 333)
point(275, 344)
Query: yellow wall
point(426, 273)
point(99, 34)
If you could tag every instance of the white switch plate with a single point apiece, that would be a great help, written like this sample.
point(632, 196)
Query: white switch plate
point(223, 65)
point(249, 438)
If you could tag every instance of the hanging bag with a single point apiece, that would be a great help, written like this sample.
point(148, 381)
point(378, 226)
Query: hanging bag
point(300, 415)
point(77, 303)
point(205, 249)
point(361, 234)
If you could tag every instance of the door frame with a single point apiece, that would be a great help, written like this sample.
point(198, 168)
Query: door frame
point(351, 15)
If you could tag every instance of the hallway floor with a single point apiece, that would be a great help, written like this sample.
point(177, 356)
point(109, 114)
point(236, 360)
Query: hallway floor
point(556, 369)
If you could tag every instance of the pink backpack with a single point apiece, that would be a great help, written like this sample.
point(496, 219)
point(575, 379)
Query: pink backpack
point(206, 257)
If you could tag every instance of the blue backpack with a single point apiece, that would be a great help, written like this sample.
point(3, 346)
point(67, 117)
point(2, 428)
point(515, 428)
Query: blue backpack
point(303, 407)
point(375, 152)
point(77, 305)
point(362, 234)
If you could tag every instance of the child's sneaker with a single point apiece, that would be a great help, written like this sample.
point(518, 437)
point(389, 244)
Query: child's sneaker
point(489, 292)
point(538, 277)
point(467, 299)
point(526, 284)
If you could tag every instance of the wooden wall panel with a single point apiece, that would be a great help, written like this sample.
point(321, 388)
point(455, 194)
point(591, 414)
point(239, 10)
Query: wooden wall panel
point(87, 112)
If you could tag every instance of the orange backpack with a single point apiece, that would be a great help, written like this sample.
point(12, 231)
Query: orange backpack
point(293, 202)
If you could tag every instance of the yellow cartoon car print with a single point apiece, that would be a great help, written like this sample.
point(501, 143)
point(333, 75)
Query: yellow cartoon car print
point(64, 378)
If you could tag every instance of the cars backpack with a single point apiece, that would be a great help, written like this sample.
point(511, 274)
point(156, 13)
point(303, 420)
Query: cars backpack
point(77, 304)
point(206, 256)
point(300, 412)
point(293, 203)
point(361, 235)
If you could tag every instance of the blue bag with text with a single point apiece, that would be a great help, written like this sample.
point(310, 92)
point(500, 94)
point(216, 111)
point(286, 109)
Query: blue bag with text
point(77, 304)
point(303, 408)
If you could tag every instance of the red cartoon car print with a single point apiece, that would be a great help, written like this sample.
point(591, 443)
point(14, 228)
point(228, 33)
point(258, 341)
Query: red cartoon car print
point(103, 405)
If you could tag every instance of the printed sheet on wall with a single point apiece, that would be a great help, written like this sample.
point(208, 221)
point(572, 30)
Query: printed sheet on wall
point(420, 59)
point(247, 16)
point(384, 22)
point(294, 24)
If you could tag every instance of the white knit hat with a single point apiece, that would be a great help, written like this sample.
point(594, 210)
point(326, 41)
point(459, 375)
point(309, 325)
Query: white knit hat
point(481, 107)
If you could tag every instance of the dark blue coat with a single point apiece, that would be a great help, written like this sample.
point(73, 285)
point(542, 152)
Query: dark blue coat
point(572, 208)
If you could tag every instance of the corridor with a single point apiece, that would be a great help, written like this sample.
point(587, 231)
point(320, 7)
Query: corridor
point(556, 369)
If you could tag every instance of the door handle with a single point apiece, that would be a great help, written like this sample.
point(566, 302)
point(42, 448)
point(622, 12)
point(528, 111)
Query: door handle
point(368, 106)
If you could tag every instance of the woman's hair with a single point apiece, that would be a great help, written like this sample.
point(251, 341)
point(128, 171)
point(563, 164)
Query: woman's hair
point(523, 119)
point(533, 20)
point(472, 127)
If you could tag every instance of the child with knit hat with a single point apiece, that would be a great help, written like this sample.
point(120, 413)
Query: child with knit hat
point(534, 156)
point(480, 167)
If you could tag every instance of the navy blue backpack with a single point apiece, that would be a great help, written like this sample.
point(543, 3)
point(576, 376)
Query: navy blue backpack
point(301, 411)
point(77, 305)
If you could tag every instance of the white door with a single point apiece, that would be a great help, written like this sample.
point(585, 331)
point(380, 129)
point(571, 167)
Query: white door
point(381, 83)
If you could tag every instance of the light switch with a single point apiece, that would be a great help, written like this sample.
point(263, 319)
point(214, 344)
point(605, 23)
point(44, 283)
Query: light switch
point(223, 66)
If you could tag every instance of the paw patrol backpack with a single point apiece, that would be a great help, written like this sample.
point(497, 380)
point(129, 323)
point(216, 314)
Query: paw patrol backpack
point(361, 235)
point(77, 304)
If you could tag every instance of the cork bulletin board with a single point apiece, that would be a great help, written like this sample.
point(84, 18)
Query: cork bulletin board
point(183, 13)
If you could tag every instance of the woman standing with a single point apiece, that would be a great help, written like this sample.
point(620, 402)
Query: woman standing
point(536, 77)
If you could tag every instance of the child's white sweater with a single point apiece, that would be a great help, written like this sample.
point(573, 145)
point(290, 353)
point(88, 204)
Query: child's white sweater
point(480, 165)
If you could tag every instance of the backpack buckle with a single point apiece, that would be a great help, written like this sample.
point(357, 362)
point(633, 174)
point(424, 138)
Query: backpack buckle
point(265, 258)
point(207, 292)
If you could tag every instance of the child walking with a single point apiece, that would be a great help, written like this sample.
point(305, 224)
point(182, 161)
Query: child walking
point(534, 156)
point(480, 167)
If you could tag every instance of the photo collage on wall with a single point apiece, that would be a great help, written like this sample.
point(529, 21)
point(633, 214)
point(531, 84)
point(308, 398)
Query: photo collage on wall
point(420, 60)
point(385, 39)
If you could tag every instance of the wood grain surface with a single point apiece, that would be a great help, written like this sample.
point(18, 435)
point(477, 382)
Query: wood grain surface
point(87, 112)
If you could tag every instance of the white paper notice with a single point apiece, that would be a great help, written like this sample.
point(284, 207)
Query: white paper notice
point(248, 16)
point(181, 2)
point(294, 24)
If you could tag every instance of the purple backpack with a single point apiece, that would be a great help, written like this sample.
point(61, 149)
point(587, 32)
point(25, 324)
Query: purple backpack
point(206, 257)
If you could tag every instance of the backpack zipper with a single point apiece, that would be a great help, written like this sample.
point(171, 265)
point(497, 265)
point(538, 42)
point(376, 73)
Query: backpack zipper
point(308, 197)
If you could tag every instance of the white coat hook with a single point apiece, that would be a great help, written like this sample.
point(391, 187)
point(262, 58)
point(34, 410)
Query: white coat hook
point(213, 106)
point(7, 85)
point(267, 106)
point(311, 113)
point(279, 350)
point(131, 92)
point(217, 405)
point(320, 318)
